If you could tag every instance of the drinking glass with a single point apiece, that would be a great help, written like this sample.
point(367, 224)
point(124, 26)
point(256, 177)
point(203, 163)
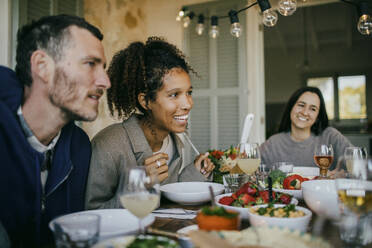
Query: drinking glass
point(248, 158)
point(323, 157)
point(354, 163)
point(233, 182)
point(355, 203)
point(140, 193)
point(76, 231)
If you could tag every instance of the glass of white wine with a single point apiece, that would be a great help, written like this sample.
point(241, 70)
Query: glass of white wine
point(140, 193)
point(355, 203)
point(248, 158)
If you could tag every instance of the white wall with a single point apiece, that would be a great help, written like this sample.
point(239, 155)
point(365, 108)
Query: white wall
point(5, 25)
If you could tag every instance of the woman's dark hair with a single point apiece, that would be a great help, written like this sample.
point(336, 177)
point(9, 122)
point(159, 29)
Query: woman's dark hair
point(321, 122)
point(140, 68)
point(49, 33)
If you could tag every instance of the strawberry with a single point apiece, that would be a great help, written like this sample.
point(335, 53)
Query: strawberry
point(234, 196)
point(244, 188)
point(285, 199)
point(245, 199)
point(226, 200)
point(265, 195)
point(252, 190)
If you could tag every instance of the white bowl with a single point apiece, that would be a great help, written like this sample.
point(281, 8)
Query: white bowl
point(243, 211)
point(297, 193)
point(298, 223)
point(190, 193)
point(321, 197)
point(306, 171)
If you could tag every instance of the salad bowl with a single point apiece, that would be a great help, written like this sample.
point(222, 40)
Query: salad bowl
point(242, 210)
point(296, 223)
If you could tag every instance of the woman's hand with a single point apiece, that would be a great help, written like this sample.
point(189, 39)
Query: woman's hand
point(157, 163)
point(204, 164)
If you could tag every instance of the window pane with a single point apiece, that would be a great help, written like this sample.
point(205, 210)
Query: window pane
point(352, 97)
point(325, 84)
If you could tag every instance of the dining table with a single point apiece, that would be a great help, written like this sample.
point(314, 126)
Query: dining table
point(329, 231)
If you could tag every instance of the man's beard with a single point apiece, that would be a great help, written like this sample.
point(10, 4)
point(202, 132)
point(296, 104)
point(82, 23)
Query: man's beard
point(65, 90)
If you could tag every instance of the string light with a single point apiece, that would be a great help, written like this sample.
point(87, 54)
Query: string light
point(269, 17)
point(200, 26)
point(215, 31)
point(235, 28)
point(187, 19)
point(364, 25)
point(365, 20)
point(181, 14)
point(287, 7)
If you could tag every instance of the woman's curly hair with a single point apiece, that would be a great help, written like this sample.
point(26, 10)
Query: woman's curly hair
point(140, 68)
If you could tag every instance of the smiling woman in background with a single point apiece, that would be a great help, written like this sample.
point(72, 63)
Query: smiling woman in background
point(304, 125)
point(151, 90)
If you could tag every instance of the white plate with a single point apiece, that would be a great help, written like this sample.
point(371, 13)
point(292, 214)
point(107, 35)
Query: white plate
point(126, 240)
point(243, 211)
point(294, 192)
point(115, 242)
point(185, 242)
point(190, 193)
point(114, 221)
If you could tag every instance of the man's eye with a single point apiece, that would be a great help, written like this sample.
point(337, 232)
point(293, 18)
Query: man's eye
point(91, 63)
point(173, 95)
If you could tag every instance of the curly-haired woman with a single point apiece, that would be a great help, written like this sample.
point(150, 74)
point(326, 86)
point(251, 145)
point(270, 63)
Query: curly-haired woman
point(304, 124)
point(151, 91)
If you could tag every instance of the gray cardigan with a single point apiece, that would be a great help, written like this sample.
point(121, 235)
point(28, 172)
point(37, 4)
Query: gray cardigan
point(124, 145)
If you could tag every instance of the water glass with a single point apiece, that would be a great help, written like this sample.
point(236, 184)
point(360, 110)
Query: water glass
point(233, 182)
point(355, 203)
point(77, 230)
point(285, 167)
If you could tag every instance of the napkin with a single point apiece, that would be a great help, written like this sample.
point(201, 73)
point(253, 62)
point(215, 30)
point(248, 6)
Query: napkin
point(175, 213)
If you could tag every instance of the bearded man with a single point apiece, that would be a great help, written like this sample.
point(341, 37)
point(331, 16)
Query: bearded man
point(59, 78)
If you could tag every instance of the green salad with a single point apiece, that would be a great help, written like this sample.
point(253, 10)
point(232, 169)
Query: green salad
point(149, 241)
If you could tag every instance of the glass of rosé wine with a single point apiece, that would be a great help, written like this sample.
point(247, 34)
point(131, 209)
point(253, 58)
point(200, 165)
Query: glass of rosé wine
point(323, 157)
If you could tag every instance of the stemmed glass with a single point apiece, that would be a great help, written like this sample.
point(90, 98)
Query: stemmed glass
point(323, 157)
point(140, 193)
point(248, 158)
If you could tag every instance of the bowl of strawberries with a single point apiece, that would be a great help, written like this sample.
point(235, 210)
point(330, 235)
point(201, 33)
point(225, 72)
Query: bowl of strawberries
point(250, 195)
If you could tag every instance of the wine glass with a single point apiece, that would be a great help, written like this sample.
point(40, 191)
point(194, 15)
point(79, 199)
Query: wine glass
point(140, 193)
point(323, 157)
point(248, 158)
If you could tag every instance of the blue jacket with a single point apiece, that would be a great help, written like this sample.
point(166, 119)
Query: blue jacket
point(20, 184)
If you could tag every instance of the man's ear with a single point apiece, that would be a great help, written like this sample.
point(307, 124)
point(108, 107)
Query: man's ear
point(142, 101)
point(42, 66)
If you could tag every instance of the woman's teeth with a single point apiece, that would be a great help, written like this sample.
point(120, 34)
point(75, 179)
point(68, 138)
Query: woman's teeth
point(182, 117)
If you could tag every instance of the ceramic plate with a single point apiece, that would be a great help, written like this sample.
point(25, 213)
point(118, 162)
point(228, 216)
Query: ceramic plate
point(114, 221)
point(190, 193)
point(122, 242)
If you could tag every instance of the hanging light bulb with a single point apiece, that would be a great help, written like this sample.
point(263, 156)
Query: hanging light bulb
point(200, 26)
point(365, 20)
point(181, 14)
point(214, 31)
point(270, 17)
point(235, 28)
point(187, 19)
point(287, 7)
